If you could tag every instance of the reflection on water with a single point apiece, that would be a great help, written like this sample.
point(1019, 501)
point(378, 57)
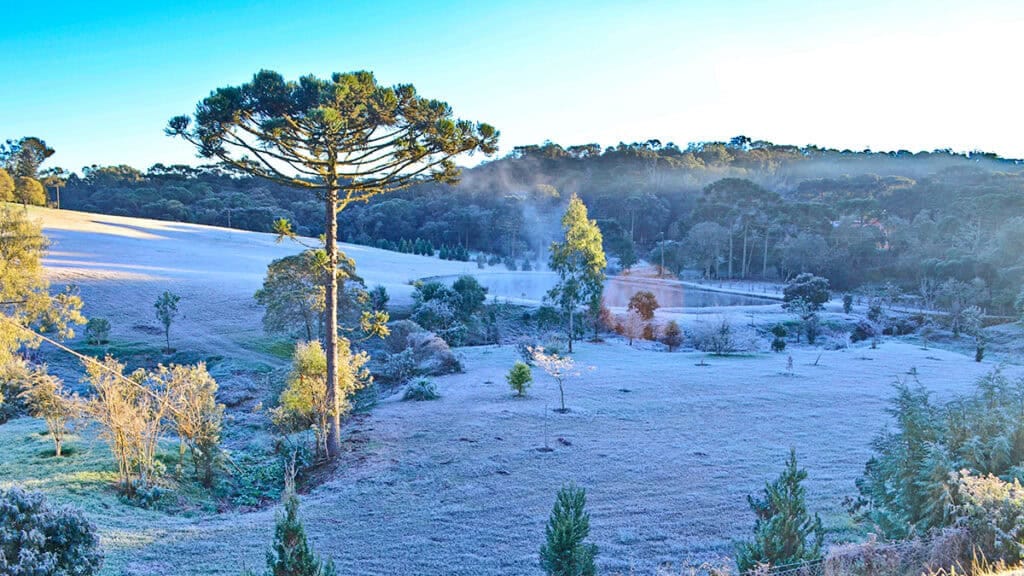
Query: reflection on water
point(532, 286)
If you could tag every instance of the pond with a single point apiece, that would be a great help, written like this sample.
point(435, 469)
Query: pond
point(530, 287)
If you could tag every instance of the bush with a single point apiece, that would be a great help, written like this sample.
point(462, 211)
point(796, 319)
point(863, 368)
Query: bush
point(433, 355)
point(722, 339)
point(97, 331)
point(673, 336)
point(778, 344)
point(812, 328)
point(813, 290)
point(35, 539)
point(421, 390)
point(779, 331)
point(847, 303)
point(519, 378)
point(863, 331)
point(397, 368)
point(379, 298)
point(993, 513)
point(564, 552)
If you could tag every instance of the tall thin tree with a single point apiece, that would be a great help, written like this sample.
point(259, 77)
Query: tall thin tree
point(345, 139)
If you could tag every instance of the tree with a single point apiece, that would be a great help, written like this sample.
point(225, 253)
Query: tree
point(196, 415)
point(565, 551)
point(784, 532)
point(291, 554)
point(294, 291)
point(558, 367)
point(6, 186)
point(29, 191)
point(673, 336)
point(166, 311)
point(519, 378)
point(633, 327)
point(346, 140)
point(36, 539)
point(705, 241)
point(304, 403)
point(645, 303)
point(811, 289)
point(45, 397)
point(579, 262)
point(25, 299)
point(23, 157)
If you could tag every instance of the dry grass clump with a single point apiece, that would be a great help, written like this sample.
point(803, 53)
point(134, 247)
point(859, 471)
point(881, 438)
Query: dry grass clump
point(946, 550)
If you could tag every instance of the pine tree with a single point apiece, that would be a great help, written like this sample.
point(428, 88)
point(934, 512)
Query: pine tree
point(784, 532)
point(519, 378)
point(565, 553)
point(579, 262)
point(291, 554)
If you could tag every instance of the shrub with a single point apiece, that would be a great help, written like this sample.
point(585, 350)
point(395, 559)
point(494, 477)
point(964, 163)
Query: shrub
point(649, 332)
point(303, 403)
point(196, 416)
point(778, 344)
point(779, 331)
point(863, 331)
point(673, 336)
point(565, 552)
point(35, 539)
point(397, 368)
point(481, 261)
point(97, 331)
point(421, 390)
point(45, 397)
point(510, 264)
point(813, 290)
point(519, 378)
point(812, 328)
point(379, 298)
point(993, 513)
point(722, 339)
point(433, 355)
point(847, 303)
point(784, 532)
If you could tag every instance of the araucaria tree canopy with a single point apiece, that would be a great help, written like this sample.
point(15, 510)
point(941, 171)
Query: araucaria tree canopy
point(346, 139)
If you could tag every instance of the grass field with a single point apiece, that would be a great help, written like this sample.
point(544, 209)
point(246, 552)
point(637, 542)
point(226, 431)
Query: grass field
point(668, 450)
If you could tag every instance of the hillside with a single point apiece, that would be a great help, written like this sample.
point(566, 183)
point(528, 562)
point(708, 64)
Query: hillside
point(122, 264)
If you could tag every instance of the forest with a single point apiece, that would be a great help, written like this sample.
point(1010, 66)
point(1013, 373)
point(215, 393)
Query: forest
point(740, 209)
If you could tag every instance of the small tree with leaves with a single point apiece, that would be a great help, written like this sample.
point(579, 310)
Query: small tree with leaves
point(166, 306)
point(45, 397)
point(784, 532)
point(645, 303)
point(812, 290)
point(558, 367)
point(633, 326)
point(565, 551)
point(519, 378)
point(195, 414)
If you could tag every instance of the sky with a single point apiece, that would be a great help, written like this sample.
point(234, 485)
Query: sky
point(99, 80)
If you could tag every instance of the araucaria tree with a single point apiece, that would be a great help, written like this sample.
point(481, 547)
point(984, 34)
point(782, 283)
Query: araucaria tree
point(345, 139)
point(166, 306)
point(291, 554)
point(784, 532)
point(565, 552)
point(579, 262)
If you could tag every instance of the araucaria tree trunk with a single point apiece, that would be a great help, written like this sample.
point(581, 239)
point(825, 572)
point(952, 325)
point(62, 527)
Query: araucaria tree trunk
point(331, 319)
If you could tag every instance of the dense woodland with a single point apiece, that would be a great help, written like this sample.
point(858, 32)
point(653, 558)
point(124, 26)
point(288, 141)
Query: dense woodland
point(740, 209)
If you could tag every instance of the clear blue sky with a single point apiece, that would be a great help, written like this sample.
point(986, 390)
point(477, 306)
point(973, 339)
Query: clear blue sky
point(99, 80)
